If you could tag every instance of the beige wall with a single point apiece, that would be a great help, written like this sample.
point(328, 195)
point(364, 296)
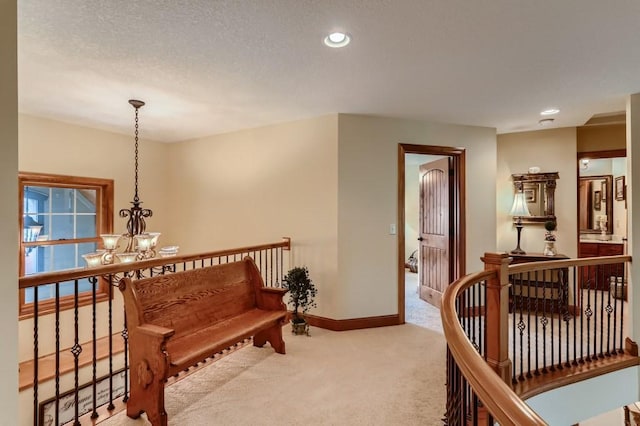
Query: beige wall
point(553, 150)
point(367, 203)
point(258, 185)
point(8, 212)
point(601, 137)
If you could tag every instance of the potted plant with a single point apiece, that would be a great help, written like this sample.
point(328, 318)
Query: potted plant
point(302, 293)
point(550, 238)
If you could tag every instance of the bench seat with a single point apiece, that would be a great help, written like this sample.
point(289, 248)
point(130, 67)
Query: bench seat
point(195, 347)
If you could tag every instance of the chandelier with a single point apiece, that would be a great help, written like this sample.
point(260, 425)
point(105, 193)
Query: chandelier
point(140, 244)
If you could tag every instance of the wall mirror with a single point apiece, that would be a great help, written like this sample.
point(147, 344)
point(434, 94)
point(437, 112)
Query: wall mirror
point(539, 191)
point(602, 195)
point(596, 203)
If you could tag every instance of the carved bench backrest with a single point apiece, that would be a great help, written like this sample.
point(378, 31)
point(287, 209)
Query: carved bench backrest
point(187, 300)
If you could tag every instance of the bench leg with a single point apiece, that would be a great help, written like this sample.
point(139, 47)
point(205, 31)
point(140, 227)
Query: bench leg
point(272, 335)
point(147, 394)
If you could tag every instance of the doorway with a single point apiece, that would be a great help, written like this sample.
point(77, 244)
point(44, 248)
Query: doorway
point(454, 211)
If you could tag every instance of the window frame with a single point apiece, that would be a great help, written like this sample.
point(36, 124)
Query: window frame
point(104, 225)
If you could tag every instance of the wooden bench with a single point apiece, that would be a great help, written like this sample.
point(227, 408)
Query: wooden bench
point(177, 320)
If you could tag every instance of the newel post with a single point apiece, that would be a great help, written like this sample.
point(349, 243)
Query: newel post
point(497, 314)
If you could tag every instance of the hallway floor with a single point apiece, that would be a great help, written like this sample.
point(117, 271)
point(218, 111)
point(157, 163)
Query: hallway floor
point(417, 311)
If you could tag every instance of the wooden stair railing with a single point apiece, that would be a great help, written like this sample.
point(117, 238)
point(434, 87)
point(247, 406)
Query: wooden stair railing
point(496, 396)
point(516, 331)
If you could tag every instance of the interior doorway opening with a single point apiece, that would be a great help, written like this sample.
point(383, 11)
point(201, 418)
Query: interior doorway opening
point(421, 238)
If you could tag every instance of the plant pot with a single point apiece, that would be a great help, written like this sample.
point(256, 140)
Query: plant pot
point(549, 248)
point(299, 328)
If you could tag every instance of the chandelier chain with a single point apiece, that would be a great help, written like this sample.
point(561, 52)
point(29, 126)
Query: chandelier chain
point(136, 199)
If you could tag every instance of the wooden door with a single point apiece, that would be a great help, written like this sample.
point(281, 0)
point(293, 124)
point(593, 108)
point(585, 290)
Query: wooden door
point(434, 271)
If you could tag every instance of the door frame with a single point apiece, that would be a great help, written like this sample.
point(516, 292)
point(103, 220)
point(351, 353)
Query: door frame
point(459, 217)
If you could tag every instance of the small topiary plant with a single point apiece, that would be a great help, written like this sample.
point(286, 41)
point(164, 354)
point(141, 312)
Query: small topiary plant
point(302, 292)
point(550, 226)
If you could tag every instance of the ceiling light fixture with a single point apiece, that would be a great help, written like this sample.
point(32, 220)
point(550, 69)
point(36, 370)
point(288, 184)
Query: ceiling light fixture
point(546, 121)
point(140, 244)
point(550, 111)
point(337, 39)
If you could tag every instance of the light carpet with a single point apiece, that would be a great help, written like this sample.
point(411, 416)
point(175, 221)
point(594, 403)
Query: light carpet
point(382, 376)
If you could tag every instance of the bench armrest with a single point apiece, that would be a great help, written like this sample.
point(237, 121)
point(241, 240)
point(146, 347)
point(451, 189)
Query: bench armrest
point(156, 331)
point(270, 298)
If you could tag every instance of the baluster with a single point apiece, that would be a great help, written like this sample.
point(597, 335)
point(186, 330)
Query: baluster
point(473, 318)
point(615, 316)
point(271, 255)
point(57, 326)
point(465, 312)
point(536, 286)
point(528, 327)
point(609, 310)
point(621, 350)
point(76, 350)
point(588, 313)
point(482, 314)
point(449, 387)
point(544, 321)
point(556, 307)
point(521, 326)
point(513, 328)
point(463, 396)
point(35, 355)
point(576, 309)
point(474, 404)
point(281, 265)
point(278, 251)
point(582, 311)
point(548, 285)
point(110, 407)
point(94, 282)
point(125, 337)
point(604, 269)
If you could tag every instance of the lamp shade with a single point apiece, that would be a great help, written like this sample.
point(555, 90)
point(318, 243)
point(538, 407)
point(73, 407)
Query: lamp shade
point(519, 207)
point(110, 241)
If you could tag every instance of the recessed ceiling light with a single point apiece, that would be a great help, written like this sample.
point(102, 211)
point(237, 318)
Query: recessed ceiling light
point(546, 121)
point(337, 39)
point(550, 111)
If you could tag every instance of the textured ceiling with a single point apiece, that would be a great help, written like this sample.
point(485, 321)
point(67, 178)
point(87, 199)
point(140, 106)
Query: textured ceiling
point(207, 67)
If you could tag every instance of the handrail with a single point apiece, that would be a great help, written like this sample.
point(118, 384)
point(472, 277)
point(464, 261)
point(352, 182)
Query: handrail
point(79, 273)
point(501, 401)
point(567, 263)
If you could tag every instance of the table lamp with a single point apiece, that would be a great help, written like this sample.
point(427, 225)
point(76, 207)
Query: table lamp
point(518, 210)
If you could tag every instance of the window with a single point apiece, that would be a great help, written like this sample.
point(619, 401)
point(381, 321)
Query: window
point(61, 218)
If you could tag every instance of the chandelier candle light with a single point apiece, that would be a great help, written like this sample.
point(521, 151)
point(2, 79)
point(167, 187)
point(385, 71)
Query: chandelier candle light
point(140, 244)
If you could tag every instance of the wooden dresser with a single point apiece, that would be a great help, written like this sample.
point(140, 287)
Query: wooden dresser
point(598, 277)
point(545, 291)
